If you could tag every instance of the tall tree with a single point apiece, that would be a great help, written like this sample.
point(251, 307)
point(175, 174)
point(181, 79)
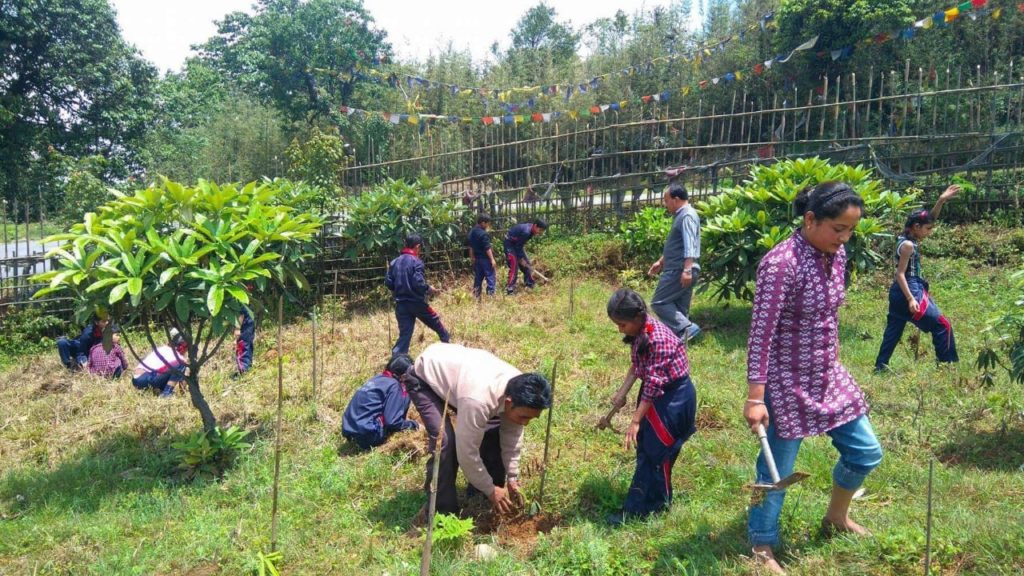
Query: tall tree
point(298, 55)
point(541, 44)
point(70, 84)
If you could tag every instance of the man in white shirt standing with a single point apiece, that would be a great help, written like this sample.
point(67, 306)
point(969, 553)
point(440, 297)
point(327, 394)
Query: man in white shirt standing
point(493, 402)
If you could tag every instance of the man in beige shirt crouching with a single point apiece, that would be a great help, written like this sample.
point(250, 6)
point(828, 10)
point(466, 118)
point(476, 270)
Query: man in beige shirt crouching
point(493, 401)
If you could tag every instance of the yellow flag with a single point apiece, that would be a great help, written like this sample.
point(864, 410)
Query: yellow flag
point(952, 13)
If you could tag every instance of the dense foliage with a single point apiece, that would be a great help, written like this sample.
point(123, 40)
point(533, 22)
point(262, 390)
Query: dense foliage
point(645, 234)
point(188, 257)
point(742, 224)
point(377, 221)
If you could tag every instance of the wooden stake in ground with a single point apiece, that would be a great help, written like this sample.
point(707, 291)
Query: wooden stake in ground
point(547, 442)
point(928, 523)
point(431, 506)
point(277, 427)
point(314, 353)
point(390, 339)
point(572, 296)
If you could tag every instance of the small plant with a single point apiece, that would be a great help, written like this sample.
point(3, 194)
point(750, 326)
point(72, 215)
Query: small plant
point(208, 454)
point(451, 529)
point(268, 563)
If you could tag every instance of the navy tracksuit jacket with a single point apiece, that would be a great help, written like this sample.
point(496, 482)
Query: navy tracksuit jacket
point(407, 281)
point(377, 409)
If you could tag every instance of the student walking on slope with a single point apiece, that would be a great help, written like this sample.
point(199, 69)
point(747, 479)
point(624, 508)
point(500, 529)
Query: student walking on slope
point(407, 281)
point(796, 386)
point(909, 299)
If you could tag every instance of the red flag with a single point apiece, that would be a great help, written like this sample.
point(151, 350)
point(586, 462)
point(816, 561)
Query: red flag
point(703, 84)
point(595, 109)
point(487, 120)
point(646, 99)
point(758, 68)
point(977, 3)
point(537, 117)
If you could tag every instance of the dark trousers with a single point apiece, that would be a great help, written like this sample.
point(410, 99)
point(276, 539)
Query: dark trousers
point(928, 319)
point(482, 270)
point(407, 313)
point(243, 354)
point(71, 353)
point(429, 405)
point(669, 423)
point(515, 255)
point(157, 382)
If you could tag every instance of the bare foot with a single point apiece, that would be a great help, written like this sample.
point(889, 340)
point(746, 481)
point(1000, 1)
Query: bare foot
point(763, 556)
point(832, 527)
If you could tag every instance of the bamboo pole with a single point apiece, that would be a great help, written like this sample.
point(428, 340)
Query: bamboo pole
point(547, 435)
point(432, 505)
point(277, 426)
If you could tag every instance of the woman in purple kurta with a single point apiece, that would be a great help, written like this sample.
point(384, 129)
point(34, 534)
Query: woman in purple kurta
point(796, 384)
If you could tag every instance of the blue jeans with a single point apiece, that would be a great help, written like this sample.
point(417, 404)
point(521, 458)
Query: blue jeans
point(158, 382)
point(928, 319)
point(671, 302)
point(859, 454)
point(71, 353)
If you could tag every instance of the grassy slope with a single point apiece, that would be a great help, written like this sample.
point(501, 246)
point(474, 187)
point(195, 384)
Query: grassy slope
point(87, 486)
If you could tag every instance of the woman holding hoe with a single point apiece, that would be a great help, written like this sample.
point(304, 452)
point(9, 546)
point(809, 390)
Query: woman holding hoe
point(796, 385)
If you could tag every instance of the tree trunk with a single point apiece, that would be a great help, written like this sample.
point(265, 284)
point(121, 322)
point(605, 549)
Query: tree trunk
point(199, 402)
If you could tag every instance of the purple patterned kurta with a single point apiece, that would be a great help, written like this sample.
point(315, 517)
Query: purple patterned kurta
point(794, 340)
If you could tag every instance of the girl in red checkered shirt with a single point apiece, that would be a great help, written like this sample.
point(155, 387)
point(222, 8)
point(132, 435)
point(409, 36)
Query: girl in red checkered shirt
point(666, 406)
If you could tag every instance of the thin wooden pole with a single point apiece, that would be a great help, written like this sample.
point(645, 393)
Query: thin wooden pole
point(928, 523)
point(432, 505)
point(547, 435)
point(277, 426)
point(314, 353)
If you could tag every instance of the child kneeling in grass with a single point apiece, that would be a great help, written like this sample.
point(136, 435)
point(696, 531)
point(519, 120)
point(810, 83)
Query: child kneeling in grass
point(666, 407)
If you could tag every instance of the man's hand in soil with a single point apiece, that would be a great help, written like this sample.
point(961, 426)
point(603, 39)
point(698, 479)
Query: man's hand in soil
point(501, 501)
point(514, 493)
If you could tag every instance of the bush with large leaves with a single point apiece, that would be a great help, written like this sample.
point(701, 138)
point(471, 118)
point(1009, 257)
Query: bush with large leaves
point(377, 221)
point(742, 224)
point(191, 258)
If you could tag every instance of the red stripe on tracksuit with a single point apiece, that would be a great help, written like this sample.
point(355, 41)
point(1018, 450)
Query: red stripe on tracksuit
point(922, 307)
point(665, 437)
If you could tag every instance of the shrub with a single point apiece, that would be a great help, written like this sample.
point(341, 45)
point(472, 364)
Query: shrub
point(450, 529)
point(27, 330)
point(208, 454)
point(377, 222)
point(645, 234)
point(742, 224)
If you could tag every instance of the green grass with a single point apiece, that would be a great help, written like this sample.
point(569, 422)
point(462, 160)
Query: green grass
point(88, 483)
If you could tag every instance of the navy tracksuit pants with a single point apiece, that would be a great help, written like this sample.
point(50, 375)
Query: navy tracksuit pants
point(407, 312)
point(669, 423)
point(482, 270)
point(514, 255)
point(928, 318)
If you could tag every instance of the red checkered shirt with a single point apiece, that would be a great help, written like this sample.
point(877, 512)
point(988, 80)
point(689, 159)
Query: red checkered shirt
point(664, 361)
point(103, 364)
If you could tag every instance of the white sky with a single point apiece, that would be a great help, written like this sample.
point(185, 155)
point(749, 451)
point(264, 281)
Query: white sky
point(164, 29)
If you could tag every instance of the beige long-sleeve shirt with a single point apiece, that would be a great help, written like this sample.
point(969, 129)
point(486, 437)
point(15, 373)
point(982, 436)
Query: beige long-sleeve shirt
point(474, 382)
